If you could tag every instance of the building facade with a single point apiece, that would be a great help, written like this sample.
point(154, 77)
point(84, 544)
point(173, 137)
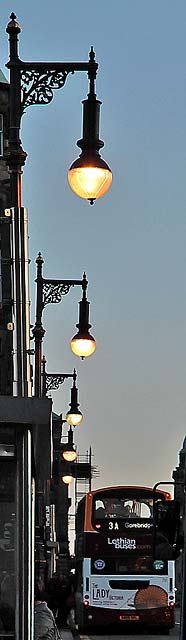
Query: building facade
point(179, 494)
point(6, 327)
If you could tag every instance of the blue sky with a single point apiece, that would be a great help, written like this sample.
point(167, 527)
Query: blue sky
point(131, 243)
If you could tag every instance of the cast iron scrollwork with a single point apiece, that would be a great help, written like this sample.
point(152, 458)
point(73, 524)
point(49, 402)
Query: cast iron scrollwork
point(37, 87)
point(53, 381)
point(54, 292)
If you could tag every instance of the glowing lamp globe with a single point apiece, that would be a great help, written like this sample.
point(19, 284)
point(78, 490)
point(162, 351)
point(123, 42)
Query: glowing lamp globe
point(90, 177)
point(67, 479)
point(74, 418)
point(70, 456)
point(83, 345)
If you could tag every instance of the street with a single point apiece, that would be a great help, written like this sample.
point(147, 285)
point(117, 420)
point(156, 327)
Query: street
point(174, 633)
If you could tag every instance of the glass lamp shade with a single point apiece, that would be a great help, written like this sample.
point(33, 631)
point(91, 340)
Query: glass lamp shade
point(67, 479)
point(90, 178)
point(83, 346)
point(74, 418)
point(70, 456)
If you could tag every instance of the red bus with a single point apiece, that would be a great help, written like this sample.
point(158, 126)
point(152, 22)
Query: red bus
point(119, 578)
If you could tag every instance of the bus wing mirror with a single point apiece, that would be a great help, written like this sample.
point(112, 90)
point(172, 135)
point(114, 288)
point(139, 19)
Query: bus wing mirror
point(168, 541)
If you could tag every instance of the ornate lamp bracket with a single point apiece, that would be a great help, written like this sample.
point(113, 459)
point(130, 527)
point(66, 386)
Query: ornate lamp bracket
point(38, 80)
point(37, 85)
point(54, 380)
point(54, 290)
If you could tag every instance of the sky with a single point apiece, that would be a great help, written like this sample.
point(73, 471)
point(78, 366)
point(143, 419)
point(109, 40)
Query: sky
point(131, 243)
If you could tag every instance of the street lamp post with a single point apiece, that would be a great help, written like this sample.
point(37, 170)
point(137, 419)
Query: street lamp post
point(52, 291)
point(51, 381)
point(59, 484)
point(66, 469)
point(33, 83)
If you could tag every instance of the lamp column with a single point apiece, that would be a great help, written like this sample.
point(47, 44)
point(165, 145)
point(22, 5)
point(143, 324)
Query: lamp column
point(38, 330)
point(15, 156)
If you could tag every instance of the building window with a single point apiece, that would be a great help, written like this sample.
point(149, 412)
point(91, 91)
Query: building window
point(1, 134)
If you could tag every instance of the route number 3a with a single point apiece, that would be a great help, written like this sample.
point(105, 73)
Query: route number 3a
point(113, 526)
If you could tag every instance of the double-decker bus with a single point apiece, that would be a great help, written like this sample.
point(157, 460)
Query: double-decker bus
point(119, 577)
